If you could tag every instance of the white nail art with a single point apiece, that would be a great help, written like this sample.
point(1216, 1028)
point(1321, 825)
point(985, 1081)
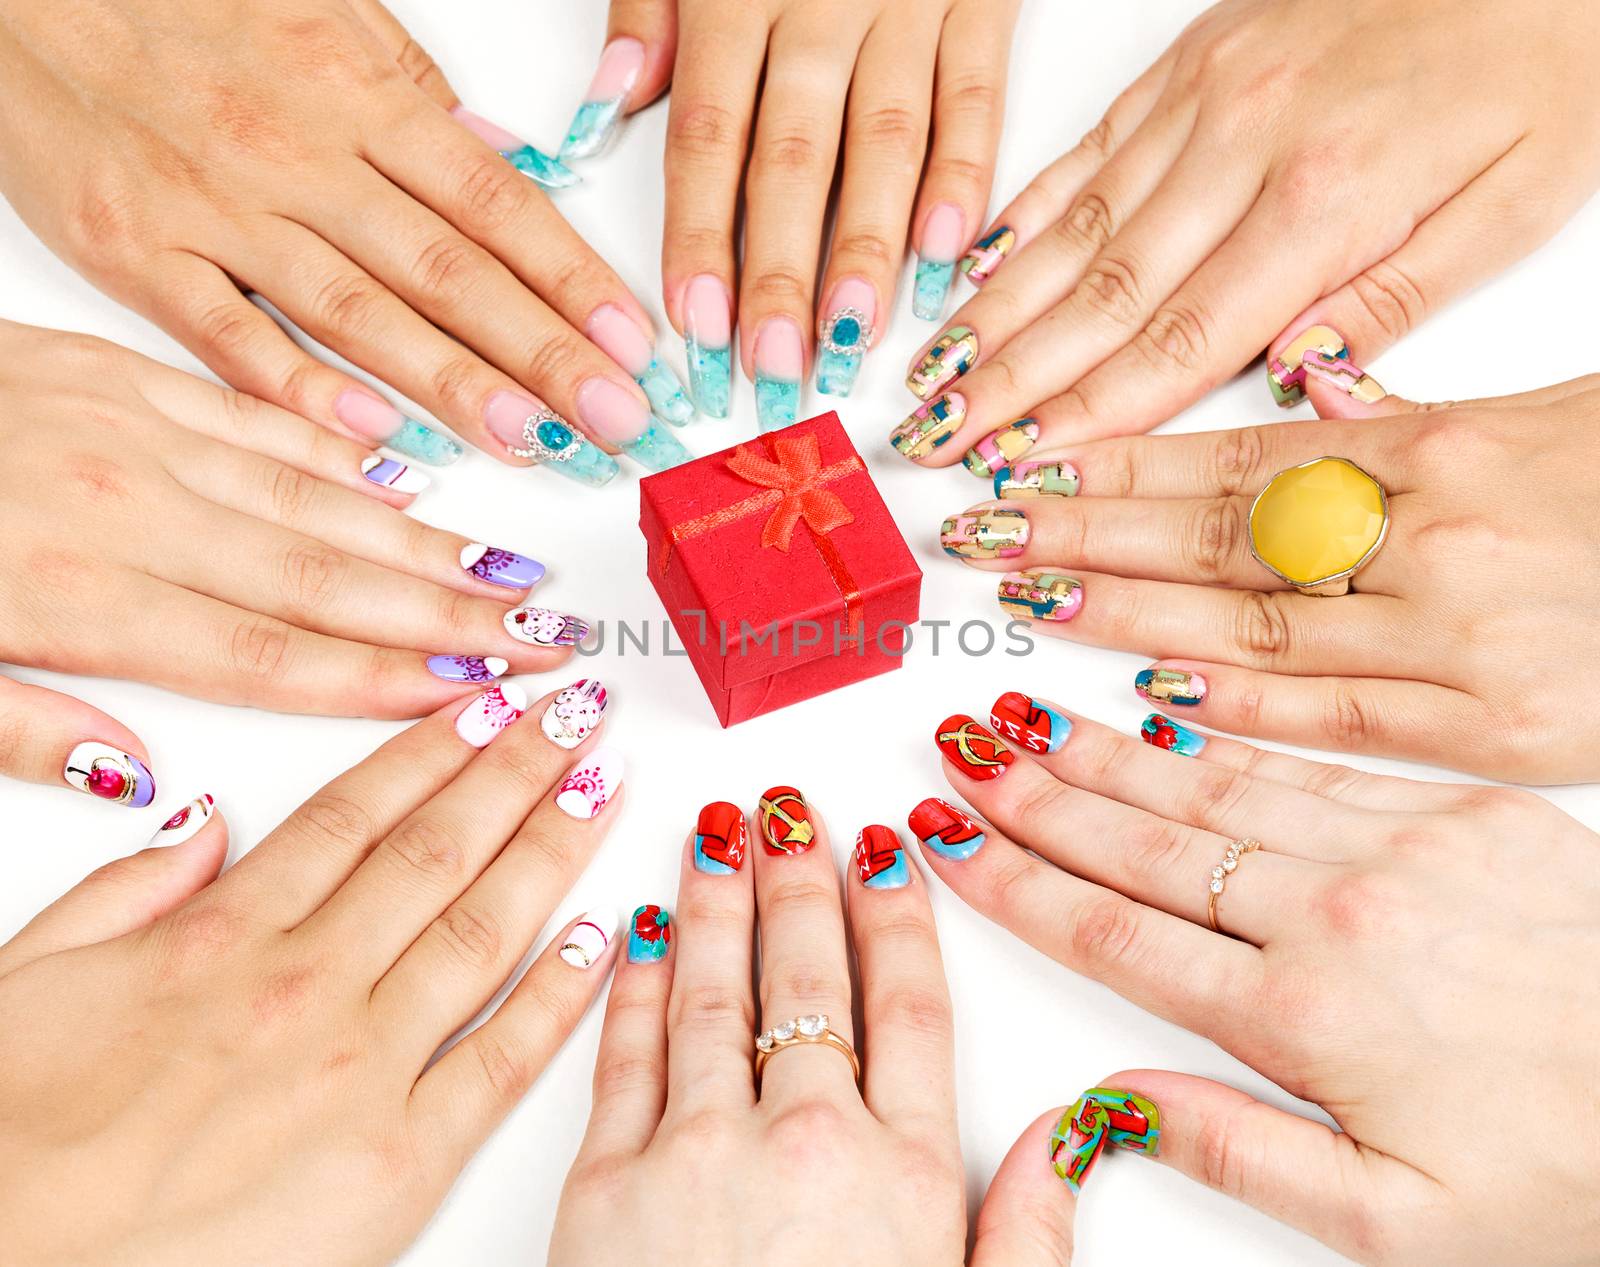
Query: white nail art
point(471, 553)
point(585, 792)
point(392, 474)
point(489, 714)
point(187, 822)
point(544, 628)
point(589, 937)
point(574, 713)
point(495, 665)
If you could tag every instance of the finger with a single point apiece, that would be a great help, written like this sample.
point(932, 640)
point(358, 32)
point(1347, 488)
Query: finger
point(1338, 388)
point(407, 53)
point(1026, 1217)
point(45, 737)
point(635, 65)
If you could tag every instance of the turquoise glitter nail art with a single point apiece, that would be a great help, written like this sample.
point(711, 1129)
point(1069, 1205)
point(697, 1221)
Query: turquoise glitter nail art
point(591, 128)
point(548, 440)
point(665, 393)
point(657, 449)
point(424, 444)
point(710, 377)
point(1163, 732)
point(546, 171)
point(931, 288)
point(777, 402)
point(846, 335)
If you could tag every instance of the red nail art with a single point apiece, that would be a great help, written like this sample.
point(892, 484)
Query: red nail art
point(720, 837)
point(785, 819)
point(946, 830)
point(968, 745)
point(1032, 723)
point(880, 859)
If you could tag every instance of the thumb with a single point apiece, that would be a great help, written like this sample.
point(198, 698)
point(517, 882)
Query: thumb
point(634, 69)
point(1026, 1219)
point(46, 737)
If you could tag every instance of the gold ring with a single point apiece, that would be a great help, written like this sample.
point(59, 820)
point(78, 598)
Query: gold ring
point(1221, 872)
point(811, 1030)
point(1317, 524)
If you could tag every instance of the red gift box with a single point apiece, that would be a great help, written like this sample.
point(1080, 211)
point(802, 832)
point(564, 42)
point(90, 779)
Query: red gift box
point(780, 567)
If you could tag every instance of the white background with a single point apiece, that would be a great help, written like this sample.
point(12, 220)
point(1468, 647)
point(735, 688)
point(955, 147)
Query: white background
point(1031, 1034)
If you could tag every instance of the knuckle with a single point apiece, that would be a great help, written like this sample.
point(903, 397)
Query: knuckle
point(625, 1075)
point(1155, 848)
point(1359, 904)
point(229, 327)
point(791, 149)
point(470, 935)
point(455, 382)
point(444, 264)
point(430, 849)
point(1099, 142)
point(712, 1006)
point(1237, 458)
point(801, 985)
point(1176, 339)
point(922, 1012)
point(866, 246)
point(490, 192)
point(1088, 224)
point(1215, 540)
point(1261, 628)
point(346, 303)
point(311, 574)
point(339, 816)
point(289, 493)
point(1102, 933)
point(1112, 290)
point(813, 1136)
point(1227, 1159)
point(1333, 782)
point(507, 1069)
point(958, 174)
point(897, 130)
point(103, 224)
point(258, 649)
point(414, 60)
point(1217, 793)
point(1347, 718)
point(780, 288)
point(552, 362)
point(969, 94)
point(705, 130)
point(1391, 300)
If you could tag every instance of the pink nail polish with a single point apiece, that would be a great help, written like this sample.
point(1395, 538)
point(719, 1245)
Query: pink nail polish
point(780, 349)
point(367, 413)
point(618, 71)
point(854, 293)
point(618, 335)
point(506, 413)
point(944, 233)
point(492, 134)
point(612, 411)
point(490, 713)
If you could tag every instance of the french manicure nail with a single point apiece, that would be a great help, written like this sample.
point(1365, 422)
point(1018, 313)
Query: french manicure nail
point(466, 668)
point(785, 821)
point(972, 749)
point(987, 254)
point(721, 837)
point(543, 169)
point(1036, 479)
point(589, 938)
point(649, 935)
point(187, 822)
point(987, 534)
point(618, 335)
point(1101, 1118)
point(542, 627)
point(391, 474)
point(1170, 686)
point(531, 429)
point(1163, 732)
point(501, 567)
point(1286, 372)
point(591, 785)
point(847, 333)
point(881, 859)
point(610, 410)
point(950, 356)
point(100, 770)
point(490, 713)
point(1000, 448)
point(1341, 375)
point(941, 827)
point(780, 363)
point(595, 123)
point(1035, 725)
point(572, 716)
point(942, 234)
point(930, 426)
point(370, 415)
point(1040, 594)
point(708, 339)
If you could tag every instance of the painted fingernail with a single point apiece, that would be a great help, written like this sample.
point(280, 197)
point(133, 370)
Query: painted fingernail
point(1102, 1118)
point(531, 429)
point(187, 822)
point(1286, 372)
point(619, 336)
point(941, 827)
point(649, 935)
point(987, 254)
point(610, 410)
point(466, 668)
point(391, 474)
point(591, 786)
point(1036, 479)
point(595, 123)
point(1035, 725)
point(501, 567)
point(542, 627)
point(1041, 595)
point(372, 416)
point(1163, 732)
point(974, 750)
point(881, 859)
point(572, 716)
point(545, 170)
point(780, 363)
point(720, 839)
point(930, 426)
point(950, 356)
point(708, 339)
point(112, 775)
point(1170, 686)
point(1000, 448)
point(986, 534)
point(589, 937)
point(1342, 376)
point(846, 334)
point(490, 713)
point(785, 821)
point(942, 234)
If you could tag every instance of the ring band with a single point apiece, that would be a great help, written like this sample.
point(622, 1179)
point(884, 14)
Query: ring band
point(1221, 872)
point(1317, 524)
point(812, 1030)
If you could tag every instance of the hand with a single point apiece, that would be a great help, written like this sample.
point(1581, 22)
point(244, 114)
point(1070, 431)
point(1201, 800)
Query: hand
point(306, 151)
point(241, 1070)
point(1255, 182)
point(1405, 955)
point(874, 74)
point(1493, 533)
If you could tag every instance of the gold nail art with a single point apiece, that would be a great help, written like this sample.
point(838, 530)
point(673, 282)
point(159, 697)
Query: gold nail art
point(1037, 479)
point(929, 426)
point(985, 534)
point(953, 353)
point(1000, 448)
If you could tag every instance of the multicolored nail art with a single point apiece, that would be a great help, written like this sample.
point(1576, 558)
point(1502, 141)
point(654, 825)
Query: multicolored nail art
point(950, 356)
point(391, 474)
point(1340, 374)
point(657, 449)
point(785, 820)
point(187, 822)
point(721, 837)
point(1170, 686)
point(1041, 595)
point(988, 534)
point(972, 749)
point(546, 171)
point(466, 668)
point(942, 234)
point(100, 770)
point(941, 827)
point(596, 120)
point(590, 787)
point(1000, 448)
point(649, 935)
point(881, 859)
point(1102, 1117)
point(930, 426)
point(987, 254)
point(1163, 732)
point(845, 336)
point(548, 439)
point(575, 712)
point(780, 363)
point(708, 339)
point(541, 627)
point(589, 937)
point(501, 567)
point(1037, 726)
point(1286, 372)
point(1036, 479)
point(490, 713)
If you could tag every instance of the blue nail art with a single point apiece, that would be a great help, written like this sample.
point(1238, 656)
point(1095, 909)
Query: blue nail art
point(591, 128)
point(548, 440)
point(665, 393)
point(881, 859)
point(710, 377)
point(657, 449)
point(777, 402)
point(649, 935)
point(546, 171)
point(931, 288)
point(1163, 732)
point(845, 337)
point(424, 444)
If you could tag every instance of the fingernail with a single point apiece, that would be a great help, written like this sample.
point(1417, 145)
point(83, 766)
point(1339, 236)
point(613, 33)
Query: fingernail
point(785, 820)
point(1170, 686)
point(649, 935)
point(1163, 732)
point(545, 170)
point(101, 770)
point(1031, 722)
point(1342, 376)
point(572, 716)
point(1036, 479)
point(1041, 595)
point(589, 938)
point(930, 426)
point(720, 839)
point(1102, 1117)
point(531, 429)
point(847, 332)
point(501, 567)
point(1286, 372)
point(950, 356)
point(596, 121)
point(708, 338)
point(466, 668)
point(187, 822)
point(976, 752)
point(942, 234)
point(618, 335)
point(372, 416)
point(545, 628)
point(780, 363)
point(988, 534)
point(587, 790)
point(987, 254)
point(1000, 448)
point(490, 713)
point(610, 410)
point(941, 827)
point(391, 474)
point(880, 859)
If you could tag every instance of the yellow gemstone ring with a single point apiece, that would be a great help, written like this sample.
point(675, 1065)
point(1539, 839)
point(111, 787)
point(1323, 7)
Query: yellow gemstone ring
point(1317, 524)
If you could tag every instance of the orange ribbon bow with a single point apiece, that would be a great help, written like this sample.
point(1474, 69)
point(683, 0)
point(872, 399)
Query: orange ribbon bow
point(798, 477)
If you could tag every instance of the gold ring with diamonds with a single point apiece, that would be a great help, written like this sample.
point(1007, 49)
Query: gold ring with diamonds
point(1317, 524)
point(811, 1029)
point(1220, 874)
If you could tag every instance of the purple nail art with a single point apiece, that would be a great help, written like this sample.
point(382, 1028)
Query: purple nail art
point(501, 567)
point(466, 668)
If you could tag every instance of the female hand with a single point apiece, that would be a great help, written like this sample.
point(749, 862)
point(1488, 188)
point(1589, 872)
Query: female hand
point(1257, 171)
point(806, 78)
point(241, 1070)
point(306, 151)
point(1408, 956)
point(162, 529)
point(1458, 647)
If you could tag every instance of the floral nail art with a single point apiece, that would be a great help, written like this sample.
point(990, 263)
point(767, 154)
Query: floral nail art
point(950, 356)
point(1037, 726)
point(1170, 686)
point(1102, 1117)
point(544, 628)
point(1163, 732)
point(1041, 595)
point(187, 822)
point(880, 859)
point(501, 567)
point(930, 426)
point(999, 449)
point(785, 820)
point(1286, 372)
point(575, 712)
point(987, 254)
point(388, 473)
point(590, 787)
point(549, 440)
point(498, 707)
point(987, 534)
point(105, 772)
point(596, 120)
point(721, 837)
point(1036, 479)
point(972, 749)
point(649, 935)
point(588, 938)
point(941, 827)
point(1341, 375)
point(466, 668)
